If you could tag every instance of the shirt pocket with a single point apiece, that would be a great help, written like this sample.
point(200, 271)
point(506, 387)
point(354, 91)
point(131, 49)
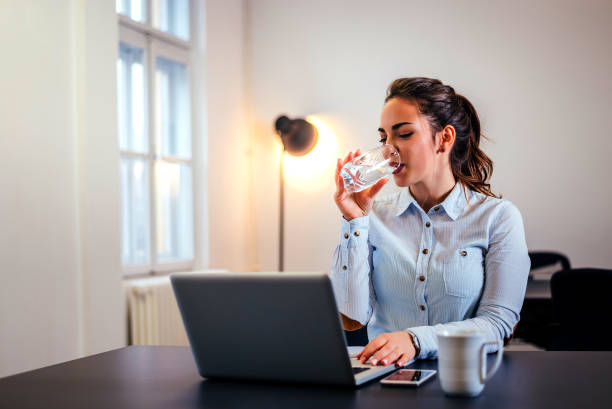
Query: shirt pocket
point(464, 272)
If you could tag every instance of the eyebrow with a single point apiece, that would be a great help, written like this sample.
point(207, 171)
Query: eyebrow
point(397, 125)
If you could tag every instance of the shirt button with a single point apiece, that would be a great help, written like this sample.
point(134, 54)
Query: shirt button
point(464, 253)
point(422, 278)
point(437, 208)
point(357, 233)
point(344, 267)
point(422, 307)
point(427, 224)
point(425, 251)
point(346, 235)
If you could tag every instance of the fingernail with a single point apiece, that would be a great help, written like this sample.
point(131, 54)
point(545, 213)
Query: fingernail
point(374, 361)
point(384, 362)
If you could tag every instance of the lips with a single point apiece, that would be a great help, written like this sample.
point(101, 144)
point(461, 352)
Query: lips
point(399, 169)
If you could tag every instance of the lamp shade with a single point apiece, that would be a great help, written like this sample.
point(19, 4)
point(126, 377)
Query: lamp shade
point(298, 135)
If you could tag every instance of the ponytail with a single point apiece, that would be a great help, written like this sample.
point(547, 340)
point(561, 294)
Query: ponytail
point(475, 169)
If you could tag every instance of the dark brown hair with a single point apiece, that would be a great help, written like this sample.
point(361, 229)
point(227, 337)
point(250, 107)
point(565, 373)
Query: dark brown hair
point(442, 106)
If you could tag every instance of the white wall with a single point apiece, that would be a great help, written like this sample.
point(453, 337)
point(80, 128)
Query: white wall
point(537, 72)
point(60, 292)
point(102, 301)
point(39, 288)
point(231, 231)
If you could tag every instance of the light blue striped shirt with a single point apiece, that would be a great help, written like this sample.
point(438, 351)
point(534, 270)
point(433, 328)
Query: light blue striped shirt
point(463, 264)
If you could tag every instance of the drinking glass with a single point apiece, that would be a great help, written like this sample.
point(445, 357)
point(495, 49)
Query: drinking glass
point(368, 168)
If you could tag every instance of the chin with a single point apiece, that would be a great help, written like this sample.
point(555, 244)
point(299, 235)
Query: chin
point(401, 180)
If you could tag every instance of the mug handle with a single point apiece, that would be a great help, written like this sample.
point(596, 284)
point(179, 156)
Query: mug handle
point(483, 360)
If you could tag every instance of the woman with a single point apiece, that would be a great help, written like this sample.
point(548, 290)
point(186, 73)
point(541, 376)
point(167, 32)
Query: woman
point(445, 252)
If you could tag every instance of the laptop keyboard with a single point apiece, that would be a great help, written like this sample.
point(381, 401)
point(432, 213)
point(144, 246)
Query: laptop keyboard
point(357, 370)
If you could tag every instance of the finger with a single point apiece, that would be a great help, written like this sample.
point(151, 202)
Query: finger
point(372, 347)
point(338, 166)
point(339, 185)
point(404, 359)
point(347, 159)
point(350, 157)
point(373, 191)
point(392, 356)
point(383, 354)
point(339, 181)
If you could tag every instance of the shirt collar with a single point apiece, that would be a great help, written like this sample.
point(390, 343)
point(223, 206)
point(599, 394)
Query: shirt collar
point(404, 200)
point(453, 205)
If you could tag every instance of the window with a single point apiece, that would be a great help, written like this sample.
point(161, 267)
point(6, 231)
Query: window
point(155, 135)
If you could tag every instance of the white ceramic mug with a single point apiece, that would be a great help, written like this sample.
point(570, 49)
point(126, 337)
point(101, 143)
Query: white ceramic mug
point(462, 361)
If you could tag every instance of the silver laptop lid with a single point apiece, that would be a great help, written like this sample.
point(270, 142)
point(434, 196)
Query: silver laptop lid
point(265, 326)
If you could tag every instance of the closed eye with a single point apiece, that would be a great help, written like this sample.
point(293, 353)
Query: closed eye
point(403, 136)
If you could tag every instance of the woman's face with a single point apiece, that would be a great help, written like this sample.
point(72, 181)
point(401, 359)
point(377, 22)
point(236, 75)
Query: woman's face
point(402, 126)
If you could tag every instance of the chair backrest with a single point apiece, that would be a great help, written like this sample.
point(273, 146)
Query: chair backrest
point(583, 307)
point(541, 259)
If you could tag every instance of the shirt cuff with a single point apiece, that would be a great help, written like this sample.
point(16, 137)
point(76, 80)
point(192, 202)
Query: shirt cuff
point(427, 341)
point(355, 231)
point(416, 343)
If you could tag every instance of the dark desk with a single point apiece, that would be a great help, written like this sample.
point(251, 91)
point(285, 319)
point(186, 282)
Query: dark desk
point(165, 377)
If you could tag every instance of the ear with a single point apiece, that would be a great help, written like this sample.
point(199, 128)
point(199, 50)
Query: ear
point(447, 138)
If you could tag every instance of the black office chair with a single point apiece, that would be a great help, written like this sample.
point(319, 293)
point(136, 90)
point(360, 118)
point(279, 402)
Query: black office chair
point(537, 313)
point(541, 259)
point(582, 307)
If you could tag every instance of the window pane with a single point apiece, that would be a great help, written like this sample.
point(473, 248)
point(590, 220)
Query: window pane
point(172, 113)
point(135, 215)
point(131, 99)
point(172, 16)
point(174, 218)
point(134, 9)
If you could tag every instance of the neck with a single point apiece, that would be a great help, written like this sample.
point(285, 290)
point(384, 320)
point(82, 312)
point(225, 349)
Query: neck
point(433, 191)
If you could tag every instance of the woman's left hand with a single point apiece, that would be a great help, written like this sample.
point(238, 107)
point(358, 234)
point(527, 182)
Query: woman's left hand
point(388, 348)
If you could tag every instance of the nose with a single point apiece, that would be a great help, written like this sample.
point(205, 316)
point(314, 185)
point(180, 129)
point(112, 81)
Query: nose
point(391, 141)
point(393, 145)
point(391, 152)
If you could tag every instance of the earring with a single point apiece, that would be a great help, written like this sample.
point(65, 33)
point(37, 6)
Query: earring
point(441, 150)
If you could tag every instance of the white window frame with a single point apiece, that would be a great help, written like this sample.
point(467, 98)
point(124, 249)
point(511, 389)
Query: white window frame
point(156, 43)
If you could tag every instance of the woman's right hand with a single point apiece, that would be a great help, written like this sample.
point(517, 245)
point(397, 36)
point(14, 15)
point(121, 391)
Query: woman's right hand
point(358, 204)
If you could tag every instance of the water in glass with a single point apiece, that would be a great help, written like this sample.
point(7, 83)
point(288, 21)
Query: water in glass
point(367, 169)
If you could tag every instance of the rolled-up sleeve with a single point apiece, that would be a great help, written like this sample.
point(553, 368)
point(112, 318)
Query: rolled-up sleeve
point(350, 274)
point(506, 270)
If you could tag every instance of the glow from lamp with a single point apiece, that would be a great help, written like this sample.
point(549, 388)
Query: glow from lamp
point(316, 168)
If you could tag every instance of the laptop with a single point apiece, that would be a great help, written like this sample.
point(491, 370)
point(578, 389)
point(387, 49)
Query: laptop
point(268, 327)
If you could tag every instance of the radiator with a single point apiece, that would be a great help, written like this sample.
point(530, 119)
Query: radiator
point(153, 315)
